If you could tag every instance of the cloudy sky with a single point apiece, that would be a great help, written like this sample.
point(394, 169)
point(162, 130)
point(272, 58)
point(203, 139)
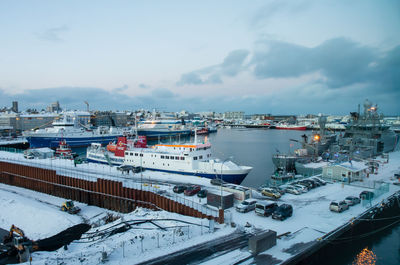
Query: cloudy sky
point(267, 56)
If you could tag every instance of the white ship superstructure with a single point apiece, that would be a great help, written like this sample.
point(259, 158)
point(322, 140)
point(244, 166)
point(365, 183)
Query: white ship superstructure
point(187, 159)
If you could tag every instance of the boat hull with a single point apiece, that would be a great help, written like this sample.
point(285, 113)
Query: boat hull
point(53, 142)
point(231, 178)
point(155, 134)
point(299, 128)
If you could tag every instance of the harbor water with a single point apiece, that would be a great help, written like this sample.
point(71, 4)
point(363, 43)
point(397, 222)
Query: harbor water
point(255, 147)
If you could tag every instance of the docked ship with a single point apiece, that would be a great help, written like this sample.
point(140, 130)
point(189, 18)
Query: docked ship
point(193, 159)
point(113, 154)
point(366, 136)
point(285, 126)
point(74, 135)
point(157, 129)
point(311, 148)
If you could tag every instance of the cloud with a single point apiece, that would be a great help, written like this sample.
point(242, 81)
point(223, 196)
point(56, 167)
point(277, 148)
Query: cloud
point(340, 61)
point(162, 93)
point(53, 34)
point(144, 86)
point(120, 89)
point(232, 65)
point(267, 12)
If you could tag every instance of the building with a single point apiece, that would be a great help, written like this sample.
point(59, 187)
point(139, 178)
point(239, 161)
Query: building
point(54, 107)
point(15, 106)
point(234, 115)
point(26, 122)
point(346, 172)
point(107, 118)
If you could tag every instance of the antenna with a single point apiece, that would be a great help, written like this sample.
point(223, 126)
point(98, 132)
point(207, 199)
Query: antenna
point(87, 104)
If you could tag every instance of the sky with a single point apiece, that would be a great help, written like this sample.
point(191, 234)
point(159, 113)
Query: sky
point(270, 56)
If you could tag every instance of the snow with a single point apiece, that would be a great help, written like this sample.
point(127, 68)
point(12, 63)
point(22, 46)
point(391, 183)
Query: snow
point(39, 216)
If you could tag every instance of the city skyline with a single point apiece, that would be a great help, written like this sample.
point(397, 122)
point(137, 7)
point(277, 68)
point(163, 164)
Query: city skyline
point(274, 57)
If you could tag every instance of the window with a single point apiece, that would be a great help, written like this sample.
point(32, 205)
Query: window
point(200, 157)
point(182, 158)
point(166, 157)
point(131, 154)
point(162, 157)
point(141, 154)
point(177, 158)
point(136, 154)
point(195, 158)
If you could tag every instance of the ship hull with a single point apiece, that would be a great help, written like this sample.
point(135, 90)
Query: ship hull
point(231, 178)
point(155, 134)
point(299, 128)
point(53, 142)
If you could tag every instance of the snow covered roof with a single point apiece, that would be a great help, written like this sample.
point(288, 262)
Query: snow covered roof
point(353, 166)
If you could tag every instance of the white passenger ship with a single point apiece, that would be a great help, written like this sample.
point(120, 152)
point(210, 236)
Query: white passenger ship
point(188, 159)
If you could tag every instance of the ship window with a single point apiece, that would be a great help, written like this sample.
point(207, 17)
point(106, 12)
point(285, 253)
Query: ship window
point(182, 158)
point(153, 163)
point(177, 158)
point(141, 154)
point(131, 154)
point(168, 164)
point(195, 158)
point(191, 149)
point(200, 157)
point(162, 157)
point(136, 154)
point(166, 157)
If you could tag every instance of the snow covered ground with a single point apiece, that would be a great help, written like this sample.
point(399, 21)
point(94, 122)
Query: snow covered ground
point(39, 216)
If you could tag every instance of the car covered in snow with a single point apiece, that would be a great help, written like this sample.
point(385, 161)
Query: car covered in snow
point(265, 208)
point(338, 206)
point(246, 206)
point(352, 200)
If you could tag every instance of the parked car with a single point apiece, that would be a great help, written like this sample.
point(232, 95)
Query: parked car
point(293, 190)
point(352, 200)
point(307, 184)
point(282, 212)
point(301, 188)
point(265, 208)
point(271, 193)
point(323, 182)
point(246, 206)
point(338, 206)
point(217, 182)
point(202, 194)
point(366, 195)
point(192, 190)
point(281, 190)
point(179, 188)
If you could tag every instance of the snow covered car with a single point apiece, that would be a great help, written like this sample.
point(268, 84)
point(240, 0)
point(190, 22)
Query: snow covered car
point(352, 200)
point(293, 190)
point(246, 206)
point(338, 206)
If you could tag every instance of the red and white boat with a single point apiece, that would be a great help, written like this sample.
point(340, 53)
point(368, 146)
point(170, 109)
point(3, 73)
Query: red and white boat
point(290, 127)
point(64, 151)
point(114, 153)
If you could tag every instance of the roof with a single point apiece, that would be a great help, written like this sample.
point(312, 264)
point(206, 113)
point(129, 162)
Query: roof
point(353, 166)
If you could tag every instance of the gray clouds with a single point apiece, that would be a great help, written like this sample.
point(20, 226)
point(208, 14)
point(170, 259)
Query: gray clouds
point(232, 65)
